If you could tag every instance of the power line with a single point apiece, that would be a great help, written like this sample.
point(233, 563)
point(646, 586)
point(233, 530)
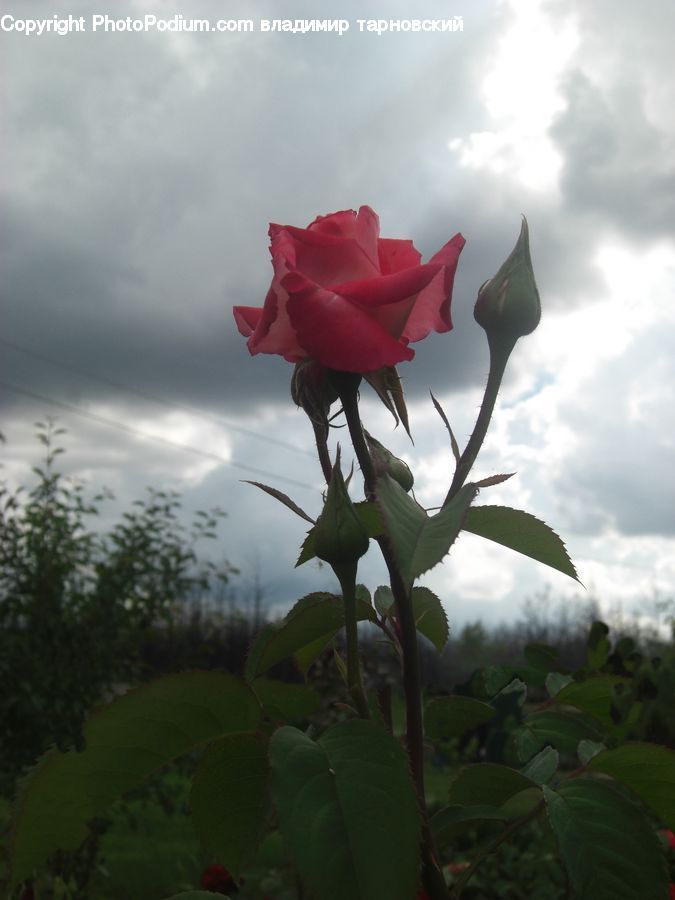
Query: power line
point(152, 397)
point(113, 423)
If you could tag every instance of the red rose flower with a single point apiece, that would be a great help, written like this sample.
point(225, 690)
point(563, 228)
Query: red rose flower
point(672, 892)
point(346, 297)
point(217, 879)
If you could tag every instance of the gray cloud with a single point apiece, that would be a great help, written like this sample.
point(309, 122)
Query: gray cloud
point(140, 174)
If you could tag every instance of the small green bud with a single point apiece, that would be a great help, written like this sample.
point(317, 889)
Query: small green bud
point(508, 304)
point(339, 535)
point(385, 462)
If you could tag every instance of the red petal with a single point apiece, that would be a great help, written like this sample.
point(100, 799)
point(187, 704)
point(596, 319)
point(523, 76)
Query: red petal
point(395, 255)
point(247, 318)
point(337, 333)
point(328, 258)
point(432, 309)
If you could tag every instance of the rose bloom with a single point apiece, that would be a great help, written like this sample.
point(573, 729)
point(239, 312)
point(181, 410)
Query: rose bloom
point(346, 297)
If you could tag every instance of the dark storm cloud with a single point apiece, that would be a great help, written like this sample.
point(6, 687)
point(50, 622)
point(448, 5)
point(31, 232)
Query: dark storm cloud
point(143, 179)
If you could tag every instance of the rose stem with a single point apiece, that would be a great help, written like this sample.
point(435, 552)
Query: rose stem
point(347, 387)
point(347, 576)
point(500, 350)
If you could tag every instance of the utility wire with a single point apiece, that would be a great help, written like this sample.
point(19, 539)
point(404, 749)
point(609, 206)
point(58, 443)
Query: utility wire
point(152, 397)
point(113, 423)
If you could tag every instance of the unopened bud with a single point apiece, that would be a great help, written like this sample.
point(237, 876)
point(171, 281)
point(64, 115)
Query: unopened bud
point(339, 535)
point(312, 390)
point(508, 304)
point(384, 461)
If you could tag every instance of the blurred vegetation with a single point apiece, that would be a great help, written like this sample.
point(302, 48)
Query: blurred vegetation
point(85, 614)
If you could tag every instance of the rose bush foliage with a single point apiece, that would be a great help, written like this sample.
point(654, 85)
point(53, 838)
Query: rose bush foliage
point(346, 297)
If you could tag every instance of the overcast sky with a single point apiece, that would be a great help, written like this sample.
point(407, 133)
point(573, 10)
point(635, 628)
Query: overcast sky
point(139, 174)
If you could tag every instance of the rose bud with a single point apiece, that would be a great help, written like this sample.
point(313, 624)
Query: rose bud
point(508, 304)
point(385, 462)
point(312, 390)
point(339, 534)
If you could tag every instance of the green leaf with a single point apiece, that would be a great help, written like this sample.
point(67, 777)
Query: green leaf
point(344, 802)
point(126, 741)
point(556, 681)
point(522, 803)
point(450, 821)
point(430, 617)
point(229, 798)
point(286, 701)
point(594, 696)
point(588, 749)
point(542, 767)
point(453, 716)
point(282, 498)
point(610, 850)
point(562, 730)
point(521, 532)
point(370, 517)
point(307, 551)
point(496, 678)
point(419, 541)
point(648, 770)
point(487, 783)
point(314, 620)
point(598, 646)
point(384, 599)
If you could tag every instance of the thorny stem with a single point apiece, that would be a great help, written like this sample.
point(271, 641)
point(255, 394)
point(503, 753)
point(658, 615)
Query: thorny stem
point(500, 350)
point(434, 883)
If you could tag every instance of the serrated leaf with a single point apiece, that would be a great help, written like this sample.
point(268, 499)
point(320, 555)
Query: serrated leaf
point(487, 783)
point(287, 701)
point(314, 620)
point(492, 480)
point(542, 767)
point(343, 803)
point(522, 532)
point(419, 541)
point(609, 849)
point(384, 599)
point(453, 716)
point(562, 730)
point(430, 617)
point(126, 741)
point(282, 498)
point(229, 798)
point(450, 821)
point(647, 769)
point(307, 551)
